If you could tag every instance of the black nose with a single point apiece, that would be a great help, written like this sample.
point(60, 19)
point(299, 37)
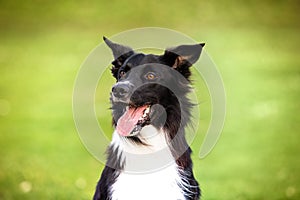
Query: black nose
point(121, 90)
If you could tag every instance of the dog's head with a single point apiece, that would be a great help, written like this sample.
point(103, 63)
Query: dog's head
point(150, 88)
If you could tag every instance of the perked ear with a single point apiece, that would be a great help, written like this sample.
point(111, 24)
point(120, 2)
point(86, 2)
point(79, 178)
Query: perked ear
point(120, 53)
point(183, 54)
point(117, 49)
point(182, 57)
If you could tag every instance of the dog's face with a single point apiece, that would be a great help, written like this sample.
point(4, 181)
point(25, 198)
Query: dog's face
point(149, 87)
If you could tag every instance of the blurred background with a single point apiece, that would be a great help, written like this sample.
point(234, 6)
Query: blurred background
point(255, 45)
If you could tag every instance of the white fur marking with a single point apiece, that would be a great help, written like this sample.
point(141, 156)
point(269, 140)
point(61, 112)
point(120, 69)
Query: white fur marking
point(162, 183)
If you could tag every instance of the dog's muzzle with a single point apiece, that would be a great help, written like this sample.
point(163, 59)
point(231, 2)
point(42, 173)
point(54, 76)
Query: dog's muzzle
point(121, 92)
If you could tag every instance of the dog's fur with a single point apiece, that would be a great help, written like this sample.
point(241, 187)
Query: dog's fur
point(138, 85)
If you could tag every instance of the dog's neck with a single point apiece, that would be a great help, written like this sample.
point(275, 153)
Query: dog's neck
point(136, 158)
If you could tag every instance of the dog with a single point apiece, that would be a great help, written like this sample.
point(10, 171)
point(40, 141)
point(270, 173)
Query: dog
point(150, 110)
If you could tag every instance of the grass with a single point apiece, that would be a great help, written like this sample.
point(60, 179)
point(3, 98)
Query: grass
point(255, 46)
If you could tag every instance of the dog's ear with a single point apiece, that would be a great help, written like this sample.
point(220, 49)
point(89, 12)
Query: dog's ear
point(120, 53)
point(118, 50)
point(182, 57)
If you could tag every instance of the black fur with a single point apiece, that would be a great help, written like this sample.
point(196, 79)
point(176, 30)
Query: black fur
point(177, 106)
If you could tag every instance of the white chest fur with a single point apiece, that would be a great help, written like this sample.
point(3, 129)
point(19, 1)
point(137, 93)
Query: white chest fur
point(163, 183)
point(160, 185)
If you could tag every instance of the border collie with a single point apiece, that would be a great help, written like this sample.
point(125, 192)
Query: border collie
point(149, 157)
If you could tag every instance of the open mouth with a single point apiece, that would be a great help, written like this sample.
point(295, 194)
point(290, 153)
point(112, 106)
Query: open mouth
point(133, 120)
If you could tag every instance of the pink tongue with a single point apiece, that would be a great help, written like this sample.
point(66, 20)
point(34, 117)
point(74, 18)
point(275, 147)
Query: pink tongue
point(129, 119)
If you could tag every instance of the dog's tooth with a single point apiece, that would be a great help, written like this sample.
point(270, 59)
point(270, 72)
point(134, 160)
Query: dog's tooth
point(145, 113)
point(147, 110)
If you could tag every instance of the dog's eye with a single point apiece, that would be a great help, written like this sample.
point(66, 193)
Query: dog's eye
point(150, 76)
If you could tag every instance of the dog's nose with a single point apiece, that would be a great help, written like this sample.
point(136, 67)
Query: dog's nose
point(121, 90)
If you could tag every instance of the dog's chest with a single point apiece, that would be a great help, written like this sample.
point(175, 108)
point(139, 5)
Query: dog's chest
point(160, 185)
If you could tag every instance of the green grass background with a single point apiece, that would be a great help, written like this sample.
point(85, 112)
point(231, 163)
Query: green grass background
point(255, 45)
